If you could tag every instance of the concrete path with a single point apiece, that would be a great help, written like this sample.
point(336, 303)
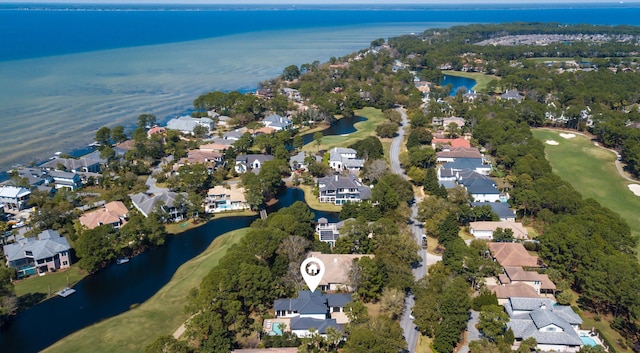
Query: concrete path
point(472, 332)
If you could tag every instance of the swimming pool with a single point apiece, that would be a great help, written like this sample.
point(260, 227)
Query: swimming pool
point(588, 341)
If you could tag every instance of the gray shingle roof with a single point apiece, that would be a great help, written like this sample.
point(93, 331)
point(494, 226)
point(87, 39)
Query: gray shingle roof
point(49, 244)
point(146, 203)
point(308, 303)
point(305, 323)
point(500, 208)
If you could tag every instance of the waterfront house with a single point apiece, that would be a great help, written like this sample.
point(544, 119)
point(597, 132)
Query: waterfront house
point(229, 198)
point(156, 130)
point(338, 190)
point(341, 158)
point(554, 327)
point(37, 178)
point(92, 164)
point(148, 203)
point(186, 124)
point(14, 198)
point(114, 213)
point(46, 252)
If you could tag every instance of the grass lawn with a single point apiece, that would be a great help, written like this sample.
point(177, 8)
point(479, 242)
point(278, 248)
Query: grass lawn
point(160, 315)
point(481, 79)
point(54, 281)
point(364, 129)
point(314, 203)
point(592, 171)
point(424, 344)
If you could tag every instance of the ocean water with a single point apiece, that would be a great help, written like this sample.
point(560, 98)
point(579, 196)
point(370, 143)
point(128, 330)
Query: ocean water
point(67, 70)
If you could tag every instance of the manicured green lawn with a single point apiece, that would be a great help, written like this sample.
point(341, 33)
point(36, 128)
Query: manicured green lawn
point(364, 129)
point(51, 281)
point(481, 79)
point(592, 171)
point(160, 315)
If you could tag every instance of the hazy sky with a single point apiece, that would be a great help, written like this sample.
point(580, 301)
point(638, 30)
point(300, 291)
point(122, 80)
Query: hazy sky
point(318, 1)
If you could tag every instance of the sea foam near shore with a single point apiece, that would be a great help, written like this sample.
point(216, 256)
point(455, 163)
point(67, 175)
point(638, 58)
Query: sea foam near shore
point(57, 103)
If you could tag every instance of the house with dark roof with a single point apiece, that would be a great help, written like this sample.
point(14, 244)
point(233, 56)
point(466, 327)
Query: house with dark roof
point(310, 310)
point(468, 164)
point(500, 208)
point(37, 178)
point(251, 162)
point(46, 252)
point(66, 180)
point(512, 94)
point(148, 203)
point(481, 187)
point(338, 190)
point(329, 232)
point(87, 164)
point(277, 122)
point(554, 327)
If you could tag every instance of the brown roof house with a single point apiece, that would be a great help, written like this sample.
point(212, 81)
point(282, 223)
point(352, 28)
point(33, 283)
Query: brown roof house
point(518, 289)
point(114, 213)
point(539, 282)
point(458, 152)
point(513, 254)
point(337, 268)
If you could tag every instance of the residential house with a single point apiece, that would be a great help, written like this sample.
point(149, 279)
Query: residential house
point(512, 95)
point(338, 190)
point(505, 291)
point(208, 158)
point(468, 164)
point(156, 130)
point(46, 252)
point(458, 152)
point(277, 122)
point(224, 120)
point(37, 178)
point(253, 162)
point(329, 232)
point(513, 254)
point(14, 198)
point(310, 310)
point(186, 124)
point(554, 327)
point(344, 159)
point(234, 135)
point(123, 147)
point(298, 162)
point(448, 144)
point(221, 198)
point(114, 213)
point(337, 269)
point(148, 203)
point(85, 164)
point(481, 187)
point(538, 281)
point(216, 145)
point(500, 208)
point(68, 180)
point(485, 229)
point(446, 121)
point(291, 93)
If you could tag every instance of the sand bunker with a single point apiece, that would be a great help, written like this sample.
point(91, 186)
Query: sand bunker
point(568, 136)
point(551, 142)
point(635, 189)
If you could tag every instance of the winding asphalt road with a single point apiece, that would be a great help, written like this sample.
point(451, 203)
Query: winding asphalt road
point(406, 322)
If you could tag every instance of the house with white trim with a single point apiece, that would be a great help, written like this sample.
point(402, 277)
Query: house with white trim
point(14, 198)
point(47, 252)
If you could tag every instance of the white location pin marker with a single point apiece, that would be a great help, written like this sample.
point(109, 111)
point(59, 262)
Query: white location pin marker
point(312, 270)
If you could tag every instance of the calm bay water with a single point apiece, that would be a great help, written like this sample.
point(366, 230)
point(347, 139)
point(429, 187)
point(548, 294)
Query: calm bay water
point(67, 70)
